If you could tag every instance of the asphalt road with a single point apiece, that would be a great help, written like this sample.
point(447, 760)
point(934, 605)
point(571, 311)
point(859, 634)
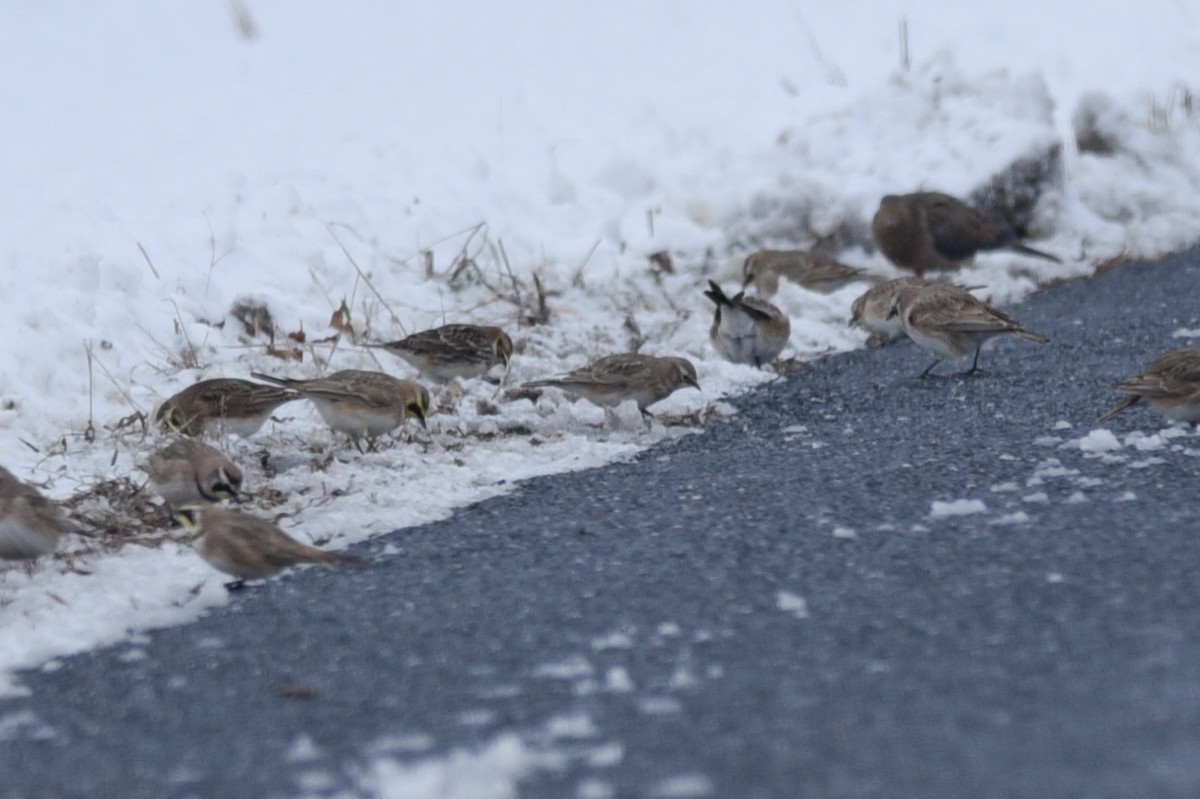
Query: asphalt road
point(771, 608)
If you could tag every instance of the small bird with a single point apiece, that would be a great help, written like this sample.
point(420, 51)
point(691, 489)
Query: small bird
point(951, 322)
point(872, 310)
point(613, 379)
point(1171, 384)
point(747, 329)
point(189, 471)
point(361, 404)
point(30, 524)
point(932, 230)
point(223, 403)
point(247, 547)
point(454, 351)
point(811, 270)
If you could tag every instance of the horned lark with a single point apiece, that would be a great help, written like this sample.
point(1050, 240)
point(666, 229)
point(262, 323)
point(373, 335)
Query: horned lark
point(247, 547)
point(811, 270)
point(746, 329)
point(361, 404)
point(30, 524)
point(451, 351)
point(931, 230)
point(1171, 385)
point(951, 322)
point(189, 471)
point(615, 378)
point(872, 310)
point(224, 403)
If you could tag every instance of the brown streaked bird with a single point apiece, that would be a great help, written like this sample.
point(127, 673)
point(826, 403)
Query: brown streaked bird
point(950, 322)
point(811, 270)
point(361, 404)
point(30, 524)
point(189, 471)
point(613, 379)
point(872, 310)
point(747, 329)
point(223, 403)
point(454, 351)
point(1171, 384)
point(932, 230)
point(247, 547)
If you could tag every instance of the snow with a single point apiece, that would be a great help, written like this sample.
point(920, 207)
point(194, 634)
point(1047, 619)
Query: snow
point(792, 604)
point(957, 507)
point(1100, 440)
point(167, 164)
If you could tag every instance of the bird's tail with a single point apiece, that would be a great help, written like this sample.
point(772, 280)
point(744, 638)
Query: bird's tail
point(717, 295)
point(1025, 249)
point(334, 558)
point(287, 382)
point(1029, 335)
point(1128, 402)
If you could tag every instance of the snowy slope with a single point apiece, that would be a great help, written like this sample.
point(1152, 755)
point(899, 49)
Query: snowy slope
point(422, 163)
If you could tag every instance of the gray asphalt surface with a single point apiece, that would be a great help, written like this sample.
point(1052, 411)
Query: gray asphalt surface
point(987, 655)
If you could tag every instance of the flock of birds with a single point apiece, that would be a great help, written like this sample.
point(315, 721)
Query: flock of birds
point(918, 232)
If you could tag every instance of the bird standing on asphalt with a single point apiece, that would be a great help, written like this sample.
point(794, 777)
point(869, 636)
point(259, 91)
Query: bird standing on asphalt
point(247, 547)
point(608, 382)
point(1171, 384)
point(950, 322)
point(932, 230)
point(747, 329)
point(454, 351)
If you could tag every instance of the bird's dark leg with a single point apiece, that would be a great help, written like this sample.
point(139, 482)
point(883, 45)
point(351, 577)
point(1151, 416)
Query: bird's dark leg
point(235, 585)
point(929, 368)
point(975, 363)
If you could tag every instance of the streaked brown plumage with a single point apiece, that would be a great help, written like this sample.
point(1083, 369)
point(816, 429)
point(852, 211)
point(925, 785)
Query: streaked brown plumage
point(811, 270)
point(872, 310)
point(608, 382)
point(189, 471)
point(222, 404)
point(247, 547)
point(950, 322)
point(932, 230)
point(746, 329)
point(1171, 384)
point(30, 524)
point(360, 403)
point(454, 351)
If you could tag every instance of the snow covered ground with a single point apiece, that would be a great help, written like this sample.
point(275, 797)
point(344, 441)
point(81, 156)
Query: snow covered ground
point(422, 163)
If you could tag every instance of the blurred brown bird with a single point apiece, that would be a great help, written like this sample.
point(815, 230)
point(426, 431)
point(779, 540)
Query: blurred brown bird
point(450, 351)
point(30, 524)
point(247, 547)
point(222, 404)
point(932, 230)
point(811, 270)
point(951, 322)
point(613, 379)
point(187, 470)
point(1171, 384)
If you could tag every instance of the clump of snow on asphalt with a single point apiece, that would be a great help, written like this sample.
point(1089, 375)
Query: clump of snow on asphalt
point(491, 772)
point(792, 604)
point(957, 507)
point(1097, 441)
point(571, 173)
